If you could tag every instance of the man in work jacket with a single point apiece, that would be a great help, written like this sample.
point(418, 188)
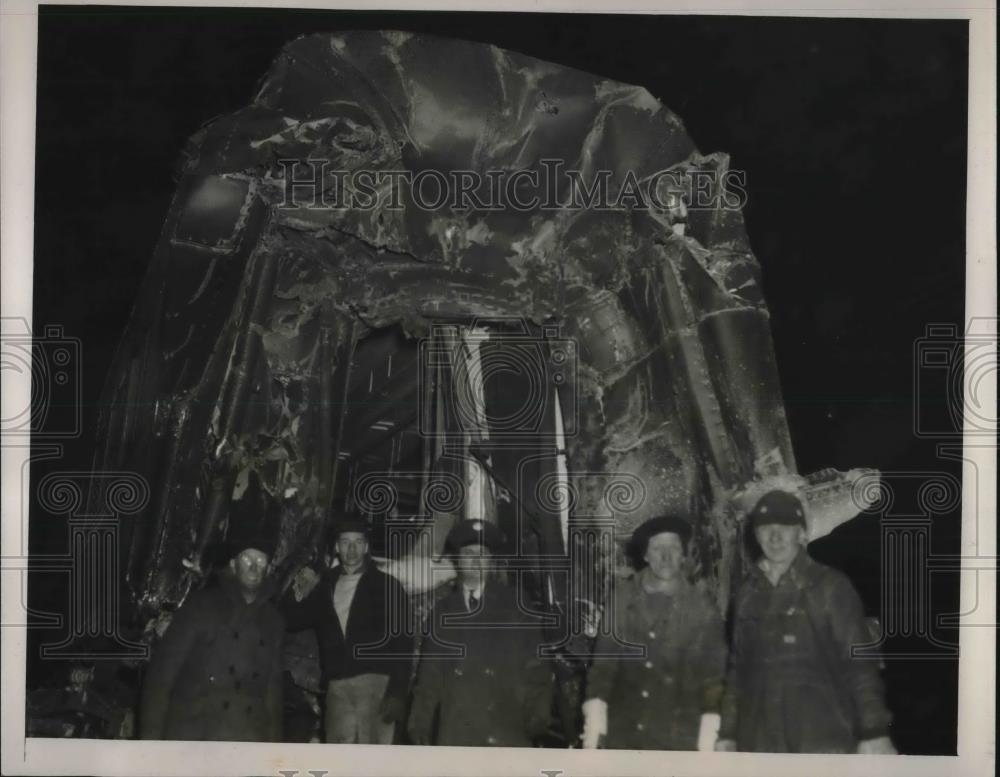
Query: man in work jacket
point(792, 685)
point(660, 660)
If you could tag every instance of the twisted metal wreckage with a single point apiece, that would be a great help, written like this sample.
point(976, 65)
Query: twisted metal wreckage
point(257, 371)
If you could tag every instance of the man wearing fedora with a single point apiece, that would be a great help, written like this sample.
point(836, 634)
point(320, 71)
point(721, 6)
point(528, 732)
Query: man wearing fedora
point(217, 672)
point(659, 660)
point(792, 685)
point(498, 692)
point(362, 622)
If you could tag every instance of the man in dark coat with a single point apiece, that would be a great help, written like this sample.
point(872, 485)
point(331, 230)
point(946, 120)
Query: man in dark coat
point(659, 662)
point(217, 672)
point(498, 692)
point(362, 620)
point(792, 685)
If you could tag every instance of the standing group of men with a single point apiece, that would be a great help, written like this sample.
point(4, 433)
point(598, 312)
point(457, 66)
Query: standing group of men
point(663, 675)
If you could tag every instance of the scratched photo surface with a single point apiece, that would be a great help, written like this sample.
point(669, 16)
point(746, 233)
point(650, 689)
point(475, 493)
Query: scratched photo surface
point(261, 345)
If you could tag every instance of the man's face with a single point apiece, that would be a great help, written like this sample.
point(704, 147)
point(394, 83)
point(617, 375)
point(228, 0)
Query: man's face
point(352, 547)
point(780, 542)
point(665, 556)
point(250, 568)
point(472, 561)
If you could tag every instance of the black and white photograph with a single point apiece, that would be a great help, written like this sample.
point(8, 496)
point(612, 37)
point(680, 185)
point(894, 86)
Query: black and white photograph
point(381, 386)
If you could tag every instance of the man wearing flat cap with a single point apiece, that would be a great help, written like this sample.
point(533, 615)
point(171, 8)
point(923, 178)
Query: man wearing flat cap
point(217, 672)
point(659, 660)
point(499, 693)
point(792, 685)
point(362, 622)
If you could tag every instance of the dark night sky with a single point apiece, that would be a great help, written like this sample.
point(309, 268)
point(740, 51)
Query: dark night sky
point(852, 133)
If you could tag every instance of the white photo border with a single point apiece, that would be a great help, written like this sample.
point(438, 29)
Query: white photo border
point(976, 721)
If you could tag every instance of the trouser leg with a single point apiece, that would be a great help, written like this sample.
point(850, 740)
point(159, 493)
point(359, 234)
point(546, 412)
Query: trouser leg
point(371, 728)
point(341, 713)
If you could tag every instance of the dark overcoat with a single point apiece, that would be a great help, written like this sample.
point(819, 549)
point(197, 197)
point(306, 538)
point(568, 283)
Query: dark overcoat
point(217, 672)
point(660, 668)
point(498, 692)
point(792, 685)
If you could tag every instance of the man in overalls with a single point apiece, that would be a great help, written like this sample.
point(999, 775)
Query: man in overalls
point(792, 685)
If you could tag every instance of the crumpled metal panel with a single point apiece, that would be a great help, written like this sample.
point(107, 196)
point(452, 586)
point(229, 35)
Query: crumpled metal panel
point(241, 338)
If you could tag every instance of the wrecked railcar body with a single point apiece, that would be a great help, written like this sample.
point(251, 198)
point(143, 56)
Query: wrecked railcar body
point(286, 348)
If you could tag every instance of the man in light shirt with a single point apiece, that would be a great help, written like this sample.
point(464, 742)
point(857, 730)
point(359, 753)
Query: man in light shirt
point(361, 618)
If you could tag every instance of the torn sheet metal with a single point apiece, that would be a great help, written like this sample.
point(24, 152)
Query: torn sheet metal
point(239, 347)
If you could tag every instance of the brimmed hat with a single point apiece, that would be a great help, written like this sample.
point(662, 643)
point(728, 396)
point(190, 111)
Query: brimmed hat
point(474, 532)
point(778, 507)
point(663, 524)
point(350, 523)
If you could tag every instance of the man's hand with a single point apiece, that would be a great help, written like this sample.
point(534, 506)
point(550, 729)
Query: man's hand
point(391, 709)
point(304, 582)
point(420, 732)
point(708, 731)
point(595, 722)
point(725, 745)
point(877, 746)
